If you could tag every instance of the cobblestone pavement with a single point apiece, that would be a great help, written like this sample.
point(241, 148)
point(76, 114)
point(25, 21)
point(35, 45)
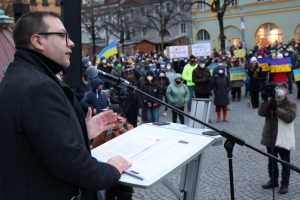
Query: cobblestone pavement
point(250, 167)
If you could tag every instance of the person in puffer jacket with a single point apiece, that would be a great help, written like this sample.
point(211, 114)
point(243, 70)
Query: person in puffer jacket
point(95, 98)
point(178, 95)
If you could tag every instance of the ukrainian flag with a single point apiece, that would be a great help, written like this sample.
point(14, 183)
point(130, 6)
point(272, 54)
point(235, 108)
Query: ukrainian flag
point(108, 51)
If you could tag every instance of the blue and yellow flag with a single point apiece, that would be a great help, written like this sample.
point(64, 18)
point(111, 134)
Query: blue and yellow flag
point(108, 51)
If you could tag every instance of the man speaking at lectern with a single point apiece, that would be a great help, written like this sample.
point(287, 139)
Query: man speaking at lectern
point(44, 137)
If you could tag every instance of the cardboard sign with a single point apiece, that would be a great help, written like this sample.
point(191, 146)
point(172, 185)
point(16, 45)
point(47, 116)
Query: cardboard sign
point(281, 65)
point(178, 52)
point(211, 67)
point(201, 49)
point(296, 73)
point(239, 53)
point(237, 73)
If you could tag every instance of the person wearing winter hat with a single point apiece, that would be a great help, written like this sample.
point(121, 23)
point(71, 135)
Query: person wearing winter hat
point(178, 95)
point(202, 79)
point(278, 77)
point(255, 75)
point(95, 99)
point(221, 87)
point(278, 107)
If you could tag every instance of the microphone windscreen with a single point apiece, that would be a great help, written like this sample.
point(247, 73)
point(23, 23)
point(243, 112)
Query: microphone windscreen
point(91, 72)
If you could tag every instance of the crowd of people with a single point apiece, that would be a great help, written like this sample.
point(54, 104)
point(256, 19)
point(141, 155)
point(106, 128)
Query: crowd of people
point(156, 75)
point(52, 137)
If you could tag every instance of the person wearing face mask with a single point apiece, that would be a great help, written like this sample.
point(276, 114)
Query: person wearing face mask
point(221, 87)
point(202, 79)
point(273, 108)
point(170, 73)
point(177, 94)
point(163, 83)
point(255, 85)
point(236, 85)
point(151, 86)
point(187, 76)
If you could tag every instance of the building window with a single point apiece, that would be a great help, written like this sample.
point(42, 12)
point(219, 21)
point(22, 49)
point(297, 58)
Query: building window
point(168, 7)
point(45, 3)
point(57, 2)
point(143, 11)
point(203, 35)
point(268, 34)
point(156, 9)
point(201, 6)
point(133, 32)
point(144, 31)
point(233, 3)
point(183, 28)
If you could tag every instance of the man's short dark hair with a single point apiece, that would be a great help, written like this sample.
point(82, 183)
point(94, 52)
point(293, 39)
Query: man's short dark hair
point(29, 24)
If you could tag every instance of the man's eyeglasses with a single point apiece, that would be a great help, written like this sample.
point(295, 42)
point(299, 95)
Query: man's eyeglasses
point(64, 34)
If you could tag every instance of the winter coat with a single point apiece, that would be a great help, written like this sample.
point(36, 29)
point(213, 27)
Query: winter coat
point(177, 94)
point(44, 146)
point(203, 81)
point(187, 74)
point(221, 87)
point(286, 111)
point(152, 88)
point(95, 99)
point(255, 74)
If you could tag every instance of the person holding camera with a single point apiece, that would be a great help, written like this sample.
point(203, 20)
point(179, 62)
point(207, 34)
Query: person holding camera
point(277, 107)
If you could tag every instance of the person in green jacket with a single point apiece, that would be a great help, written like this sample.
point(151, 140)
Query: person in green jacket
point(177, 94)
point(187, 76)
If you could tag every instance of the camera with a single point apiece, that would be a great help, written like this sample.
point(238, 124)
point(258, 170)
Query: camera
point(269, 90)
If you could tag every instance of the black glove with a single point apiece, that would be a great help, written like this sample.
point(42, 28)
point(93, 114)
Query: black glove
point(273, 105)
point(264, 95)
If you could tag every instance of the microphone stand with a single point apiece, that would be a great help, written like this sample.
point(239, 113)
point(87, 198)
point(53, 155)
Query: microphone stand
point(231, 140)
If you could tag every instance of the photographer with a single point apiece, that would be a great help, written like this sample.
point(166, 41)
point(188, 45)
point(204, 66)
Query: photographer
point(276, 105)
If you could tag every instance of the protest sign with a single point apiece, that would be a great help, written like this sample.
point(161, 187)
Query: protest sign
point(281, 65)
point(239, 53)
point(211, 67)
point(264, 64)
point(201, 49)
point(237, 73)
point(178, 52)
point(296, 73)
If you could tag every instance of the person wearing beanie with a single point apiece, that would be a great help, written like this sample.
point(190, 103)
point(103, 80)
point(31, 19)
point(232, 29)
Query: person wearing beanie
point(95, 99)
point(178, 95)
point(202, 78)
point(279, 112)
point(255, 85)
point(278, 77)
point(221, 87)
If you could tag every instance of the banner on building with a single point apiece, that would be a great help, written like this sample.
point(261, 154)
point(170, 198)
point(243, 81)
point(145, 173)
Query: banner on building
point(264, 64)
point(202, 49)
point(237, 73)
point(281, 65)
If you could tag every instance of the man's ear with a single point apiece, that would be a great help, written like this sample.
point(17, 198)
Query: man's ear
point(37, 42)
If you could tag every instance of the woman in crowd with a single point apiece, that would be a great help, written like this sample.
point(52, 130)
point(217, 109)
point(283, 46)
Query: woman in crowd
point(177, 95)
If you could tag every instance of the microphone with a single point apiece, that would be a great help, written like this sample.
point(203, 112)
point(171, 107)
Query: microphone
point(93, 72)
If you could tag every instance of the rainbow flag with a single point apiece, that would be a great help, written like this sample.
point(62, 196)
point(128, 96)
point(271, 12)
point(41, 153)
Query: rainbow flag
point(108, 51)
